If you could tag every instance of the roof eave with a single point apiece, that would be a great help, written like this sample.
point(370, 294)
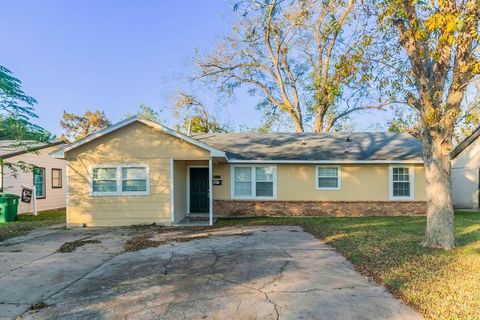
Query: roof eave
point(18, 153)
point(343, 161)
point(465, 143)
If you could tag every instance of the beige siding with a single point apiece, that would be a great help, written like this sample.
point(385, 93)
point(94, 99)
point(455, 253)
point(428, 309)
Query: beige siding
point(223, 171)
point(133, 144)
point(465, 173)
point(359, 182)
point(180, 188)
point(365, 182)
point(181, 185)
point(55, 197)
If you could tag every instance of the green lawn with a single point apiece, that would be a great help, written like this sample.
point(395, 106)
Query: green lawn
point(27, 222)
point(441, 285)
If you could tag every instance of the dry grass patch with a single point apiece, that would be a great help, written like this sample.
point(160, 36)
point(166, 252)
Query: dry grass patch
point(39, 306)
point(152, 237)
point(71, 246)
point(149, 241)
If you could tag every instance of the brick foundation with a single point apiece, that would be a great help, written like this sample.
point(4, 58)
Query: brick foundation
point(244, 208)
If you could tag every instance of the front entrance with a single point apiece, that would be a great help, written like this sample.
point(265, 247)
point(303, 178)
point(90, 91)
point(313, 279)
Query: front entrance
point(199, 193)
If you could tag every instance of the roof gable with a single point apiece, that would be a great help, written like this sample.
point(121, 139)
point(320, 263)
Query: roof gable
point(12, 148)
point(60, 153)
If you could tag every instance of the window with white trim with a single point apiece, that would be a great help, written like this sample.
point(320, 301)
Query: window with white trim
point(243, 182)
point(401, 182)
point(328, 177)
point(104, 180)
point(264, 181)
point(120, 180)
point(134, 179)
point(254, 182)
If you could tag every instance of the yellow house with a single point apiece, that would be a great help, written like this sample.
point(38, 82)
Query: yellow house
point(140, 172)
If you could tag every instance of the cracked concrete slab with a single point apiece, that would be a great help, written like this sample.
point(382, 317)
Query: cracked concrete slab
point(11, 310)
point(43, 277)
point(229, 273)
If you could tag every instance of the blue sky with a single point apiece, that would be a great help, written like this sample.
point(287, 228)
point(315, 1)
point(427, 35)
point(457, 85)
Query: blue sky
point(114, 55)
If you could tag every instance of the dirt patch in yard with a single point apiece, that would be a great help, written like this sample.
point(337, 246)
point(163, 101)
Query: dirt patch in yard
point(73, 245)
point(148, 241)
point(39, 306)
point(141, 242)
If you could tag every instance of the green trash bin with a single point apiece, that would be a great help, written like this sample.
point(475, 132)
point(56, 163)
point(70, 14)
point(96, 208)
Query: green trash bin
point(8, 207)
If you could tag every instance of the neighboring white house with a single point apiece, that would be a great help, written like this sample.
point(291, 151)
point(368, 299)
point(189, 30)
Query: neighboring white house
point(466, 171)
point(48, 177)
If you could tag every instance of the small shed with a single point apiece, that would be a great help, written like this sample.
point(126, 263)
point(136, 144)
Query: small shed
point(466, 171)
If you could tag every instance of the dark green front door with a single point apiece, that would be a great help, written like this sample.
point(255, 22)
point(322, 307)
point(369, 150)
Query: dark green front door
point(199, 197)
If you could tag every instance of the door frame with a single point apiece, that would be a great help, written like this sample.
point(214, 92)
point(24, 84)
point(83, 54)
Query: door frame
point(188, 187)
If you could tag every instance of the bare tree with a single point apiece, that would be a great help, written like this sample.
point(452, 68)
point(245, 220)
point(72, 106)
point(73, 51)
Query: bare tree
point(303, 56)
point(338, 60)
point(194, 116)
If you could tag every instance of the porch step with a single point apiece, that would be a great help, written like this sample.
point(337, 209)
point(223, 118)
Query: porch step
point(195, 221)
point(200, 216)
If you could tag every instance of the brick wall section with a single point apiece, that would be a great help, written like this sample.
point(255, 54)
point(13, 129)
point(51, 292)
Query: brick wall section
point(239, 208)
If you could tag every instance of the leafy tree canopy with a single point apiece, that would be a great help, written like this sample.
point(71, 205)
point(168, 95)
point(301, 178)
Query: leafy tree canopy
point(17, 111)
point(145, 112)
point(20, 129)
point(430, 57)
point(79, 126)
point(14, 102)
point(16, 114)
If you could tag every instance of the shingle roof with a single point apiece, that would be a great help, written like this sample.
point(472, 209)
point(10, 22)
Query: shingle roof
point(11, 148)
point(354, 146)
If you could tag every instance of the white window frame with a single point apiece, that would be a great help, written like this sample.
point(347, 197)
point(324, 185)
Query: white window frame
point(254, 188)
point(411, 174)
point(339, 177)
point(119, 177)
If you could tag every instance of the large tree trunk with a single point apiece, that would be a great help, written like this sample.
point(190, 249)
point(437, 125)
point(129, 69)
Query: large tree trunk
point(440, 231)
point(319, 119)
point(298, 125)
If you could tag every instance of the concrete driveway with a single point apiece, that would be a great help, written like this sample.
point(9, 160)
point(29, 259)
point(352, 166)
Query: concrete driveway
point(231, 273)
